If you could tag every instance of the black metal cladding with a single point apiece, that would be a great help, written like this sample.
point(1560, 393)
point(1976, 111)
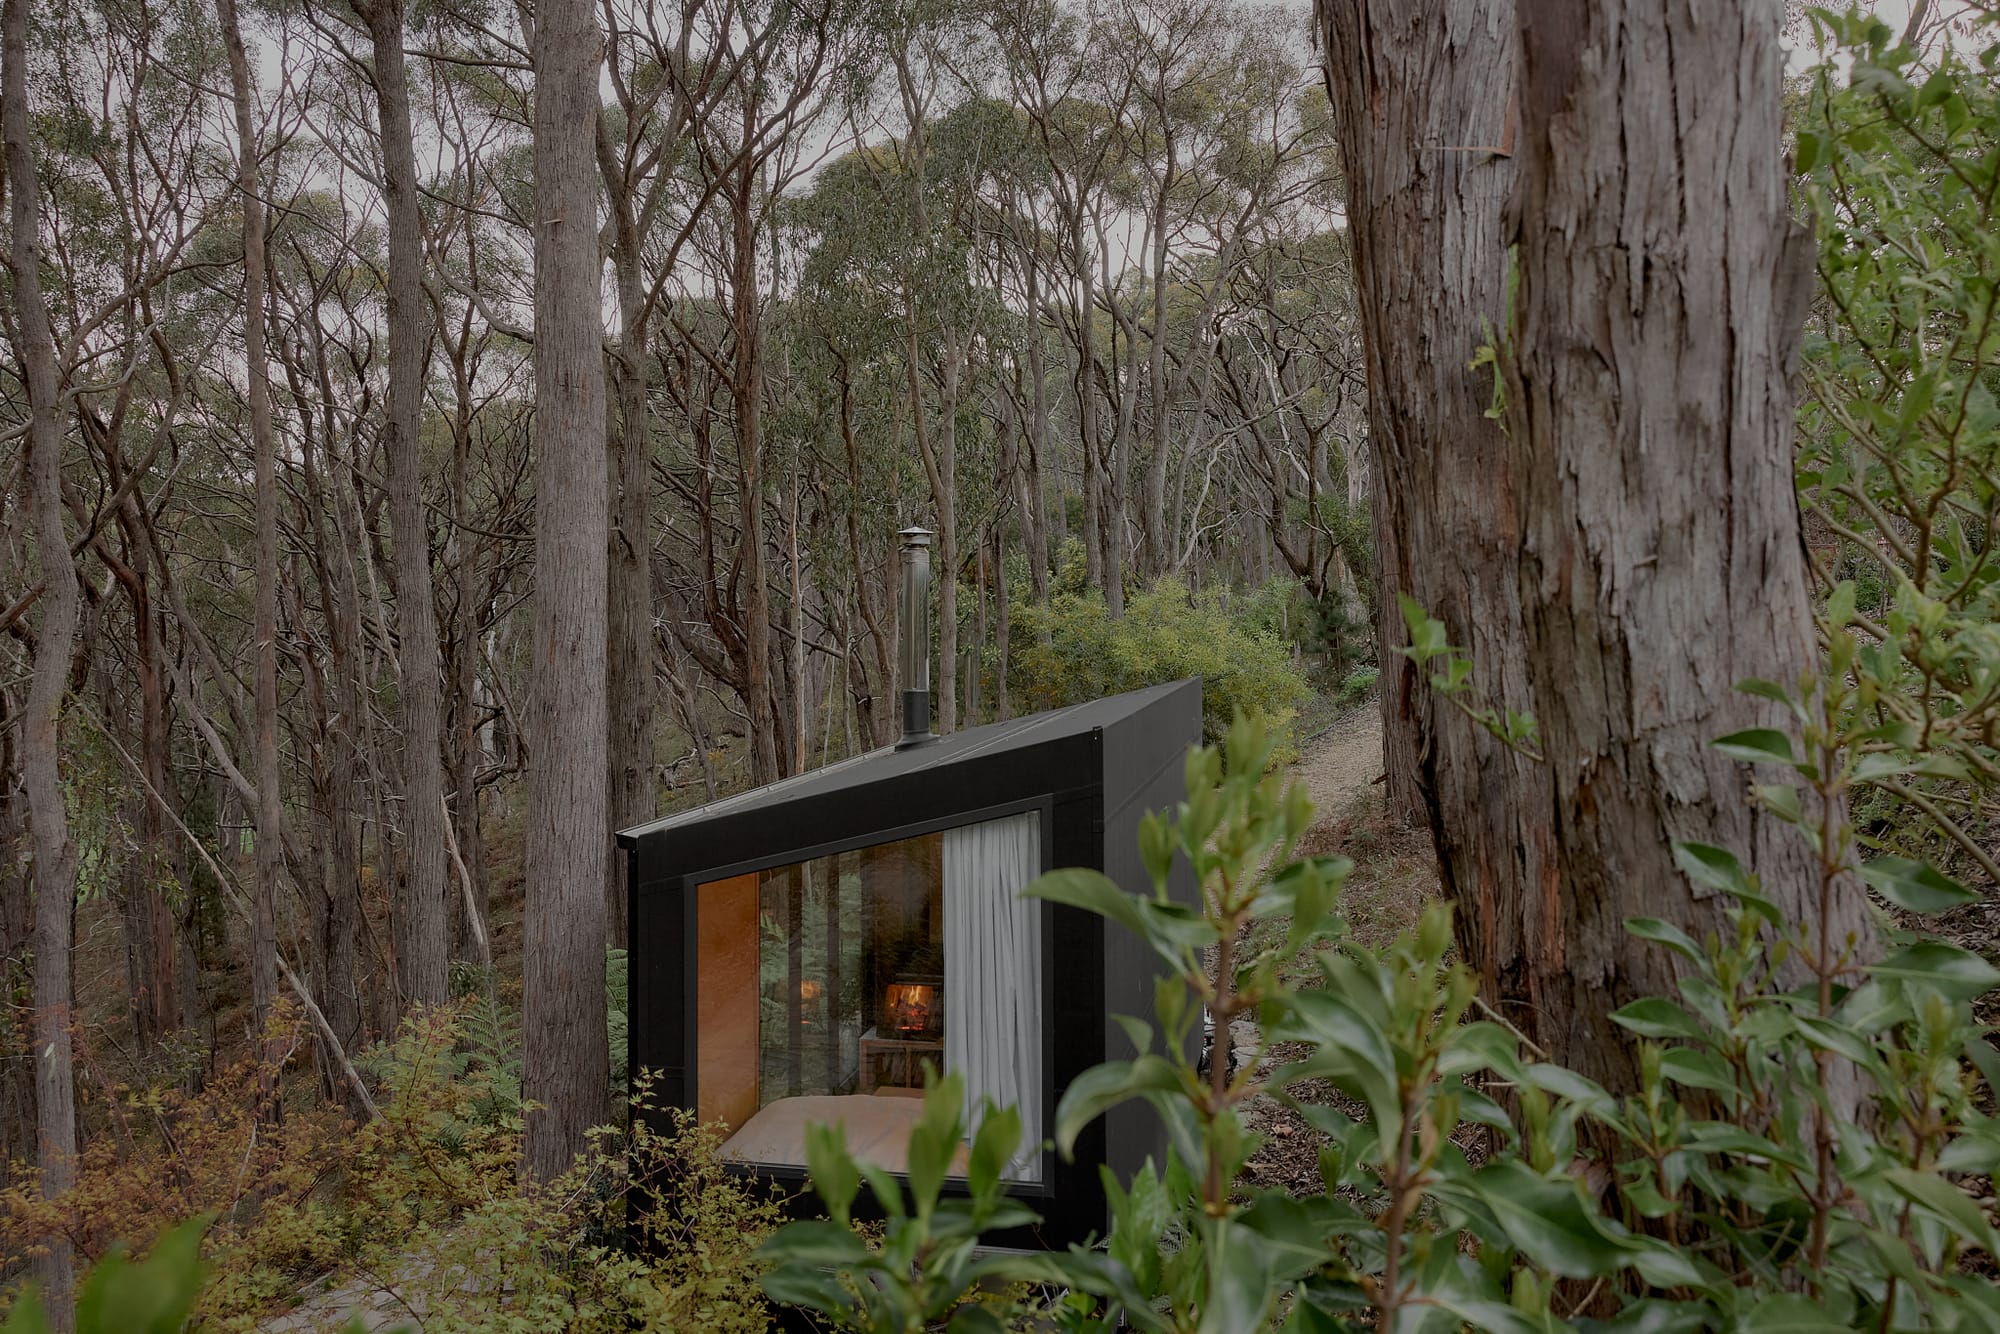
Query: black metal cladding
point(1093, 770)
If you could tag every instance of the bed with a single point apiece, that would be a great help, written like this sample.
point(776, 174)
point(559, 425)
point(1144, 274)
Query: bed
point(877, 1125)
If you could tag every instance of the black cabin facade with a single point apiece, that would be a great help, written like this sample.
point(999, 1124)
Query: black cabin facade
point(799, 952)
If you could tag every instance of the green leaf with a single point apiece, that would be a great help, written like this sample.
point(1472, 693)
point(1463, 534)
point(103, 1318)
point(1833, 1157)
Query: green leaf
point(1693, 1068)
point(1771, 690)
point(1949, 1203)
point(1666, 933)
point(1657, 1017)
point(1958, 974)
point(153, 1297)
point(1915, 886)
point(1480, 1046)
point(1548, 1221)
point(1170, 929)
point(1838, 1038)
point(1666, 1266)
point(934, 1139)
point(834, 1175)
point(1721, 1137)
point(1757, 745)
point(808, 1287)
point(1714, 867)
point(1242, 1290)
point(26, 1316)
point(818, 1242)
point(1102, 1087)
point(1806, 156)
point(992, 1149)
point(1292, 1232)
point(1566, 1083)
point(1789, 1313)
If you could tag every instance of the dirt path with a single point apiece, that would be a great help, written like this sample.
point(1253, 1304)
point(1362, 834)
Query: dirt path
point(1343, 761)
point(1393, 876)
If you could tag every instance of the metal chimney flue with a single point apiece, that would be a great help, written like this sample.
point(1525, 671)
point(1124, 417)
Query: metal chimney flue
point(914, 618)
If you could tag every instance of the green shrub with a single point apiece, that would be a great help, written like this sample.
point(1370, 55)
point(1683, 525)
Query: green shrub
point(419, 1211)
point(1697, 1204)
point(1077, 651)
point(1899, 427)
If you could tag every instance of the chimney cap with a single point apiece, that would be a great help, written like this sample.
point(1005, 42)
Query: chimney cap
point(915, 536)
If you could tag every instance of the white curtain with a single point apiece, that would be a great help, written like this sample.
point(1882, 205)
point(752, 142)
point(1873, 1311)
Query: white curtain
point(993, 973)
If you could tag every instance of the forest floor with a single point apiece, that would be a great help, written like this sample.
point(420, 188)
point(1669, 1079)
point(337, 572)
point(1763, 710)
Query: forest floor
point(1395, 874)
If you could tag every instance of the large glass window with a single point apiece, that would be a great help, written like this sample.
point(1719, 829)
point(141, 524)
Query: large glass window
point(825, 987)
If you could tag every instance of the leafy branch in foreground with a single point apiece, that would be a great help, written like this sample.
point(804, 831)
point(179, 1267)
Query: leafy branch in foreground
point(1430, 644)
point(1464, 1184)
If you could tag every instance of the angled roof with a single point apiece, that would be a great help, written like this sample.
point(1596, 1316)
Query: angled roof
point(888, 762)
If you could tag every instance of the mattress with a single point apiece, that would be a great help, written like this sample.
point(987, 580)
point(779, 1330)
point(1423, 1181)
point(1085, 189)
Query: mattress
point(877, 1126)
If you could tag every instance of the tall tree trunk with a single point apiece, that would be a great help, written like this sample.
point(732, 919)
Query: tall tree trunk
point(48, 823)
point(945, 480)
point(877, 608)
point(747, 399)
point(1430, 273)
point(630, 665)
point(1124, 382)
point(565, 1055)
point(149, 920)
point(336, 912)
point(1034, 515)
point(1662, 283)
point(17, 928)
point(1085, 314)
point(422, 918)
point(1155, 558)
point(466, 747)
point(1003, 615)
point(257, 374)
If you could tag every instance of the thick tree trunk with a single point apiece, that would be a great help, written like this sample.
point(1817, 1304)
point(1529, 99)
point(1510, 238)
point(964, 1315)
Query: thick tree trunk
point(1421, 99)
point(630, 669)
point(257, 374)
point(48, 824)
point(1662, 282)
point(565, 1057)
point(422, 920)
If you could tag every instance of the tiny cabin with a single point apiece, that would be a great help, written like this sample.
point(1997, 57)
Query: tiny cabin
point(800, 952)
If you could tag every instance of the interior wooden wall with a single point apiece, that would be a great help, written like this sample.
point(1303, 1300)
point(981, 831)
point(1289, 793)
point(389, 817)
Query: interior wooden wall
point(726, 1000)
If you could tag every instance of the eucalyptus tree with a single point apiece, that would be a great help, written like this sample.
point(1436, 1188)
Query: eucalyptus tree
point(845, 345)
point(422, 937)
point(662, 76)
point(1663, 282)
point(796, 67)
point(257, 367)
point(55, 852)
point(1048, 72)
point(566, 1060)
point(925, 173)
point(1427, 137)
point(132, 193)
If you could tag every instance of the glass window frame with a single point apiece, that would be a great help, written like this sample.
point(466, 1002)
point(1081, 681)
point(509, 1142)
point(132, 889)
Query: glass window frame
point(1042, 804)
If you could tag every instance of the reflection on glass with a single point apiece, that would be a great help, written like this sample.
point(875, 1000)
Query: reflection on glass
point(826, 987)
